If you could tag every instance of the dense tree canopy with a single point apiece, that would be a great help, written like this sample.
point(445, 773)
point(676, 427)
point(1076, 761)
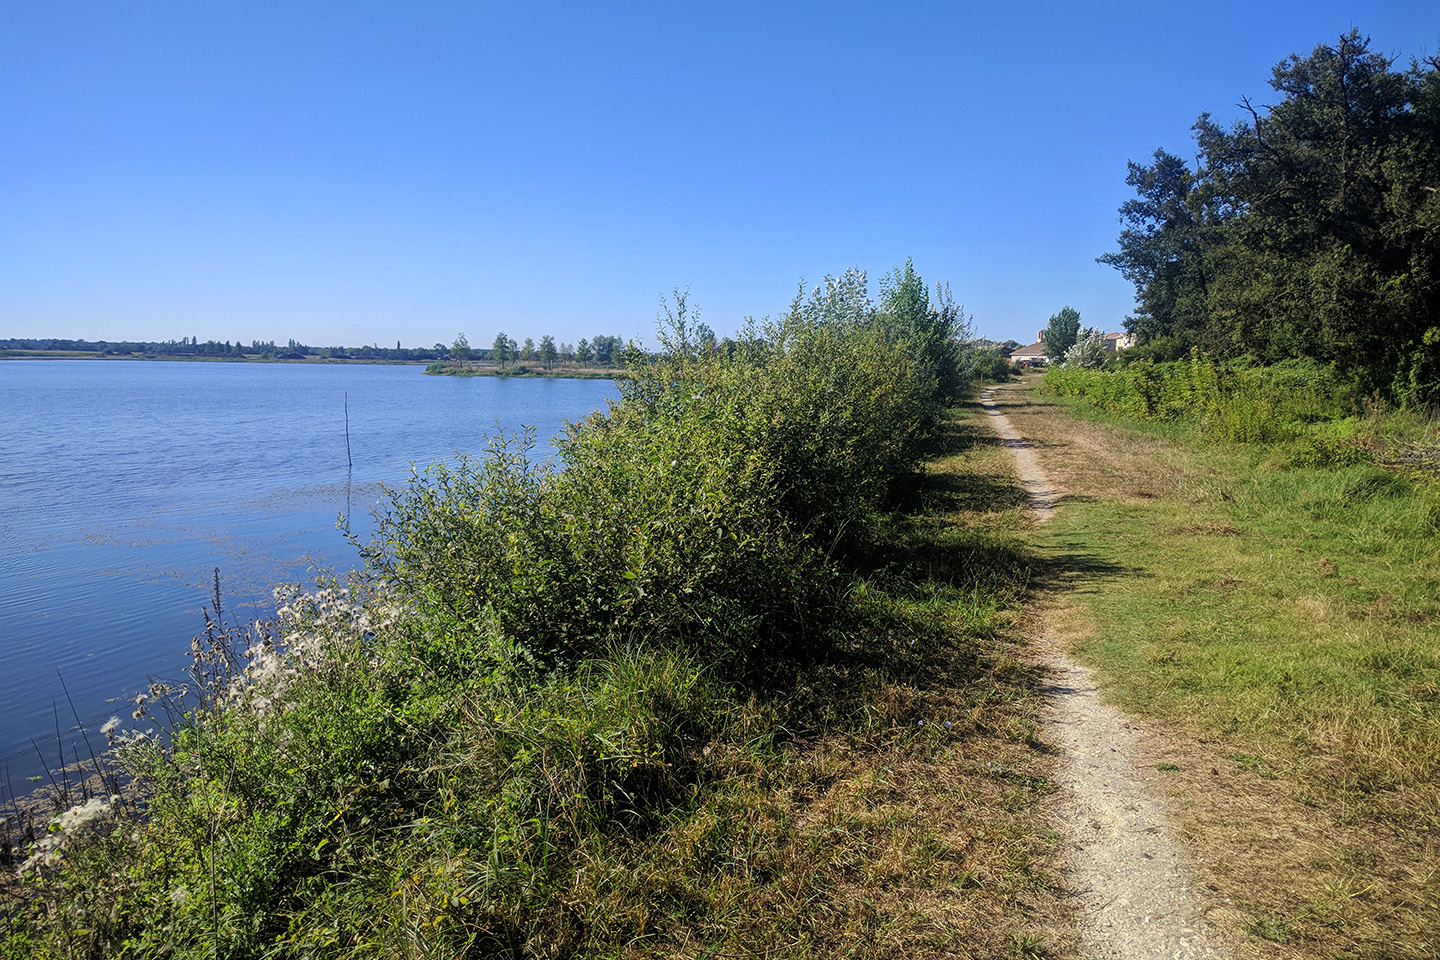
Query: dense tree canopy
point(1310, 229)
point(936, 328)
point(1162, 248)
point(1061, 333)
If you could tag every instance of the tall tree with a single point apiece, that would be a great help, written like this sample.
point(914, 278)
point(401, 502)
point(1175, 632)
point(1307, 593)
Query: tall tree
point(1162, 249)
point(1311, 229)
point(548, 353)
point(935, 327)
point(1321, 266)
point(460, 349)
point(1062, 333)
point(607, 349)
point(503, 349)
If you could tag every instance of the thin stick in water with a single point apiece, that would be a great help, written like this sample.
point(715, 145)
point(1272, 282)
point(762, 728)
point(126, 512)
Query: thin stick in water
point(349, 463)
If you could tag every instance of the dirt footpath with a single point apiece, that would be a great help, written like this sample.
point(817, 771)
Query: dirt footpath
point(1128, 869)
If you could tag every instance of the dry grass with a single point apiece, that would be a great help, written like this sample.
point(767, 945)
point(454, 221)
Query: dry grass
point(1286, 664)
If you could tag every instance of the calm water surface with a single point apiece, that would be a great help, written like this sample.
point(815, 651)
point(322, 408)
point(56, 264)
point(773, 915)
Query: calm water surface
point(124, 484)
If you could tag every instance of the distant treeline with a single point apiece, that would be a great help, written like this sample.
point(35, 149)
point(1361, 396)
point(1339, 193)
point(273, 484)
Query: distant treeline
point(603, 350)
point(194, 347)
point(1311, 229)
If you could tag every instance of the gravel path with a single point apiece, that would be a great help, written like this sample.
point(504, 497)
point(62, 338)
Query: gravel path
point(1129, 872)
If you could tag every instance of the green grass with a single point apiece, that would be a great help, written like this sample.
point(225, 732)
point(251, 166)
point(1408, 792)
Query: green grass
point(1296, 609)
point(1289, 617)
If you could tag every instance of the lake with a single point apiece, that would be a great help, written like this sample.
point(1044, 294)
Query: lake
point(123, 484)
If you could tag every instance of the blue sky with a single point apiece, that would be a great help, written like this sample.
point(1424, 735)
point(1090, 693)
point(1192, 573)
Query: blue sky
point(364, 172)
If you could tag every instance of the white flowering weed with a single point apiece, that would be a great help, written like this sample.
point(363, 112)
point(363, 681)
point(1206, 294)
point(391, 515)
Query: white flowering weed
point(72, 826)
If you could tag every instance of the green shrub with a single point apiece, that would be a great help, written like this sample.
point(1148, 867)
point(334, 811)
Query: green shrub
point(932, 331)
point(1417, 381)
point(699, 509)
point(1324, 452)
point(1228, 402)
point(434, 761)
point(993, 367)
point(1242, 416)
point(674, 528)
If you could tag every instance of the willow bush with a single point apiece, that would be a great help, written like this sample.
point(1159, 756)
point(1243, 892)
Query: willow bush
point(445, 756)
point(702, 508)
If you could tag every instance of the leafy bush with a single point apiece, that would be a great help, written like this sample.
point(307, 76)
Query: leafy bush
point(699, 509)
point(434, 758)
point(993, 367)
point(1417, 381)
point(1088, 352)
point(1228, 402)
point(1325, 452)
point(933, 332)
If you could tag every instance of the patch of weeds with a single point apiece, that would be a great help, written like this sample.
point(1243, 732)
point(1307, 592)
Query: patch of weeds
point(1269, 928)
point(1029, 947)
point(1032, 782)
point(1322, 452)
point(1252, 762)
point(1167, 767)
point(1357, 857)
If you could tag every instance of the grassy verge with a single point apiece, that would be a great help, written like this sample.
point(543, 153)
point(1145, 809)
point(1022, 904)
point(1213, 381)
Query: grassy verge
point(1282, 621)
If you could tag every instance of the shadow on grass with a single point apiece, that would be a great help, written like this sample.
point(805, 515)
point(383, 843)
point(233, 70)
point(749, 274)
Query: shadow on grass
point(1075, 570)
point(970, 493)
point(931, 583)
point(1004, 571)
point(929, 587)
point(934, 491)
point(921, 544)
point(961, 436)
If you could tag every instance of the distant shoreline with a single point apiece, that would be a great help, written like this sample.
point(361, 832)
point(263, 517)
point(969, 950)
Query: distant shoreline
point(181, 358)
point(447, 368)
point(441, 367)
